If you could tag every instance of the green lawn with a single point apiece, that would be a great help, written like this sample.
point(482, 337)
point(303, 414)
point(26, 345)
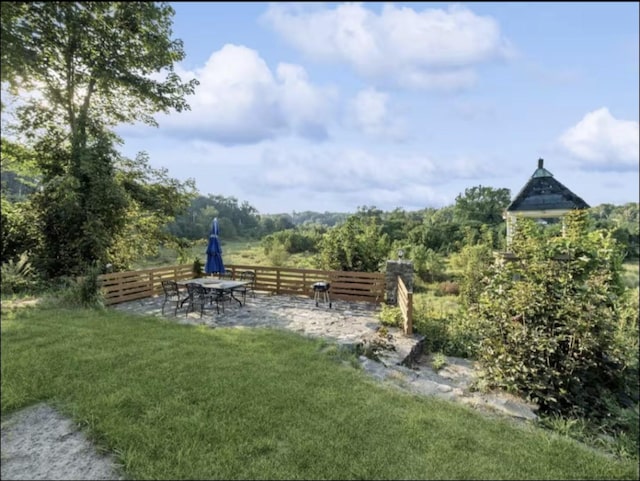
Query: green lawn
point(183, 402)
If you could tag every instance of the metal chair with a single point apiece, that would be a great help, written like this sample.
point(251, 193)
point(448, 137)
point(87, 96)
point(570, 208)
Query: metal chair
point(172, 293)
point(220, 296)
point(225, 276)
point(248, 276)
point(199, 298)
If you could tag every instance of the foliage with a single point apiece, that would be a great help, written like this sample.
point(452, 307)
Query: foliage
point(234, 220)
point(295, 240)
point(20, 231)
point(19, 170)
point(625, 222)
point(446, 328)
point(449, 288)
point(438, 361)
point(356, 245)
point(390, 315)
point(278, 255)
point(550, 324)
point(483, 205)
point(197, 268)
point(471, 264)
point(85, 292)
point(18, 276)
point(92, 64)
point(427, 263)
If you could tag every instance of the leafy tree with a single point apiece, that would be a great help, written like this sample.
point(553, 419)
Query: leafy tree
point(625, 222)
point(438, 231)
point(550, 319)
point(483, 205)
point(357, 245)
point(152, 199)
point(234, 220)
point(94, 65)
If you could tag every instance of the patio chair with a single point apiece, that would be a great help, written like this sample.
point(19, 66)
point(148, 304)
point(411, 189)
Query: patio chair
point(199, 298)
point(172, 293)
point(220, 297)
point(248, 276)
point(226, 276)
point(202, 298)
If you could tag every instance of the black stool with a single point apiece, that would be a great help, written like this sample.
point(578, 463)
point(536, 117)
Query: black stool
point(322, 288)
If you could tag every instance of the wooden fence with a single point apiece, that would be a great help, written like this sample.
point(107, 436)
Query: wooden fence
point(131, 285)
point(405, 302)
point(349, 286)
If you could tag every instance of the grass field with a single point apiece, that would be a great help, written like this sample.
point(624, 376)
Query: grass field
point(233, 252)
point(184, 402)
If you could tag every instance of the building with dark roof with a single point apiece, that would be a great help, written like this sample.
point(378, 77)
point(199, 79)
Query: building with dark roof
point(541, 197)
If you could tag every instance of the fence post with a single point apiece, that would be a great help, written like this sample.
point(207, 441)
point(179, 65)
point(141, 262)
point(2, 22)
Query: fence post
point(408, 325)
point(277, 280)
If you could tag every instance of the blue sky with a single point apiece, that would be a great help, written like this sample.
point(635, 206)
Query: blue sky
point(332, 106)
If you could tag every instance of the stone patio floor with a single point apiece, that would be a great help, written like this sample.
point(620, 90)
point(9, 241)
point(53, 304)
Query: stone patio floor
point(350, 324)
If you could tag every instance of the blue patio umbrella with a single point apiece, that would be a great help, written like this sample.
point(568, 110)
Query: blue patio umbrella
point(214, 263)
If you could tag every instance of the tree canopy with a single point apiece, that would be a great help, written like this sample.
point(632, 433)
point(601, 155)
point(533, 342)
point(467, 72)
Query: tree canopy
point(79, 69)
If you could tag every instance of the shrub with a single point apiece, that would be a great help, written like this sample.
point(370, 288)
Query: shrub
point(85, 291)
point(278, 255)
point(197, 267)
point(439, 361)
point(448, 288)
point(472, 262)
point(549, 325)
point(390, 315)
point(18, 276)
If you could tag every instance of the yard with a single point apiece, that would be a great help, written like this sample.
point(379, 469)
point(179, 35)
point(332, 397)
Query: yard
point(183, 402)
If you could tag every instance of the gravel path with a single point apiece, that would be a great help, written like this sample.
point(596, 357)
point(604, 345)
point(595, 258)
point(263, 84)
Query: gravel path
point(40, 443)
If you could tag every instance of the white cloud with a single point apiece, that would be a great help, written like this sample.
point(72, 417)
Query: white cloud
point(358, 177)
point(369, 111)
point(600, 141)
point(239, 100)
point(433, 48)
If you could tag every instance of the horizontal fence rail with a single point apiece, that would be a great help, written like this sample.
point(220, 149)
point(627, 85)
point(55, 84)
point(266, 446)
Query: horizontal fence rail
point(131, 285)
point(347, 286)
point(405, 302)
point(350, 286)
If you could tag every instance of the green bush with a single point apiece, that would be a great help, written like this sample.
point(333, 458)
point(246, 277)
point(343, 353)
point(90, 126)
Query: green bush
point(390, 315)
point(472, 263)
point(549, 320)
point(439, 361)
point(85, 291)
point(197, 267)
point(278, 255)
point(18, 276)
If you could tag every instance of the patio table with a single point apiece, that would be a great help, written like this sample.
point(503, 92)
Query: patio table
point(218, 285)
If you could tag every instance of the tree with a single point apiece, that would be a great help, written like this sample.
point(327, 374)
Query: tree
point(483, 205)
point(94, 65)
point(357, 245)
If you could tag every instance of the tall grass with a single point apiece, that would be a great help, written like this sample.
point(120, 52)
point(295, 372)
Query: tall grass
point(184, 402)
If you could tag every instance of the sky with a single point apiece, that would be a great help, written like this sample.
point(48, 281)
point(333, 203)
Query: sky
point(328, 107)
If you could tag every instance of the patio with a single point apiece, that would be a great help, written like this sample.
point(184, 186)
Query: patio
point(353, 325)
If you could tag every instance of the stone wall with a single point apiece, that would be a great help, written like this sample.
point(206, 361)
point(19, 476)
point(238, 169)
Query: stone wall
point(396, 268)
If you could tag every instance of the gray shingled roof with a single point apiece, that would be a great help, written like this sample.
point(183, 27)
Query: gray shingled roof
point(543, 192)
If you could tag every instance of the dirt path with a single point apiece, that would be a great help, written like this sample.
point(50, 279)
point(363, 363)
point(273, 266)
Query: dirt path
point(40, 443)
